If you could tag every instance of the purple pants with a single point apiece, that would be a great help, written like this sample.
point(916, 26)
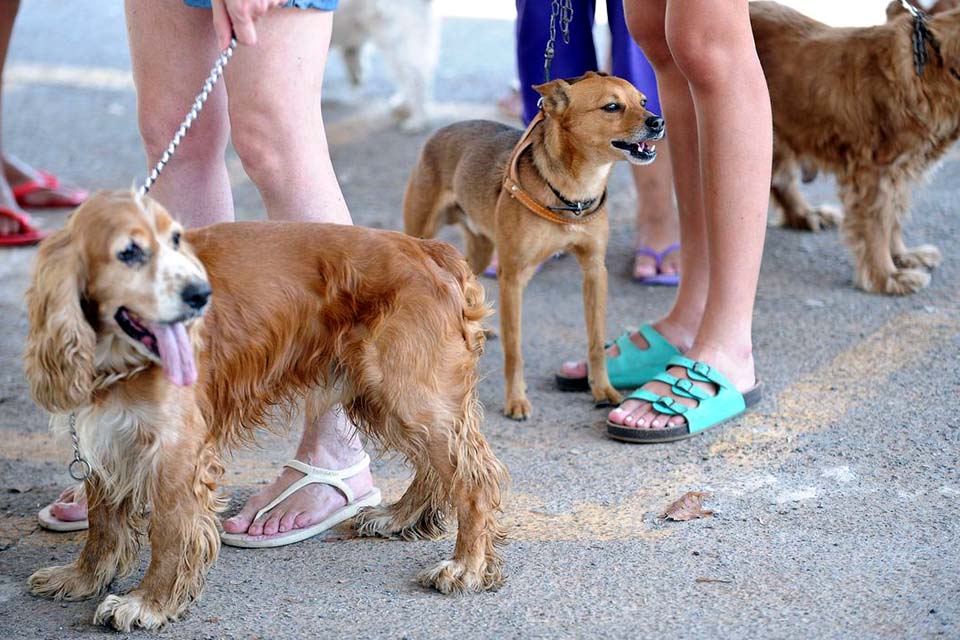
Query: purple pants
point(580, 56)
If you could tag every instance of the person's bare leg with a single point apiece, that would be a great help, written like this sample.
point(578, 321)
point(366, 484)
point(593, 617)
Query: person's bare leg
point(657, 225)
point(713, 48)
point(280, 138)
point(646, 21)
point(172, 47)
point(8, 13)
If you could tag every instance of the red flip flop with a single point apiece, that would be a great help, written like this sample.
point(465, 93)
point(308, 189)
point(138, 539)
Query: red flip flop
point(27, 234)
point(47, 181)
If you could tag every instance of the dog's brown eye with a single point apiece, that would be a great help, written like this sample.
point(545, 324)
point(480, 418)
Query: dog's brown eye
point(175, 239)
point(132, 255)
point(613, 107)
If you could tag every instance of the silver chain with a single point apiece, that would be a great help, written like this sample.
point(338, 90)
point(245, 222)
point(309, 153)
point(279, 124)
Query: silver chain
point(79, 469)
point(201, 98)
point(910, 8)
point(563, 9)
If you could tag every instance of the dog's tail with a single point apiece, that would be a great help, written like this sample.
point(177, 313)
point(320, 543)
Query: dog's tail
point(472, 295)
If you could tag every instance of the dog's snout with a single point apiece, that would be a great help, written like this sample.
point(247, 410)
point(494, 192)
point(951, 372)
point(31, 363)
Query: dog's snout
point(655, 124)
point(196, 294)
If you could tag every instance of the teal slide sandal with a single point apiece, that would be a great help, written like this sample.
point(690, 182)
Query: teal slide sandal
point(634, 367)
point(711, 410)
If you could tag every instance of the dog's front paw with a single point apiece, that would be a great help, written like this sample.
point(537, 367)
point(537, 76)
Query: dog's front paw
point(64, 583)
point(123, 613)
point(606, 396)
point(453, 576)
point(518, 408)
point(925, 256)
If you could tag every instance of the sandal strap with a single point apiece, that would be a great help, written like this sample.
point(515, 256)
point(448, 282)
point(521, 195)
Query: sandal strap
point(662, 404)
point(318, 475)
point(683, 387)
point(646, 396)
point(700, 371)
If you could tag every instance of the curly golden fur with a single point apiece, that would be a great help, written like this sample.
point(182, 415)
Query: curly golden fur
point(850, 102)
point(385, 325)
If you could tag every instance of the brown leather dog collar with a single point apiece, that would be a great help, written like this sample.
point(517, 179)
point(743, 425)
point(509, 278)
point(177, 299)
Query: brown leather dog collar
point(511, 183)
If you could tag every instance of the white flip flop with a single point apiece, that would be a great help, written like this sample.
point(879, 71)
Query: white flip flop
point(312, 475)
point(51, 522)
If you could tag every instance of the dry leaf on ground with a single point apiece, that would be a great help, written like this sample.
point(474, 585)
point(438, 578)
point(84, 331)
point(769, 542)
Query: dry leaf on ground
point(688, 507)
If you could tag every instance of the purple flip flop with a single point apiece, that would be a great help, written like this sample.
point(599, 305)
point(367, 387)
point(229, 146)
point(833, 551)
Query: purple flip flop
point(661, 279)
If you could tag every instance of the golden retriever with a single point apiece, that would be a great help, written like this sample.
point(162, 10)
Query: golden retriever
point(850, 101)
point(489, 178)
point(168, 346)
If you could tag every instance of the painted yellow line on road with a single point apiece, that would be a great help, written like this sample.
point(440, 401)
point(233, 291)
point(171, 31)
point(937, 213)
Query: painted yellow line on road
point(854, 378)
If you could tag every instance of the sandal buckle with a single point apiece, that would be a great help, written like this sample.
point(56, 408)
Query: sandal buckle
point(701, 368)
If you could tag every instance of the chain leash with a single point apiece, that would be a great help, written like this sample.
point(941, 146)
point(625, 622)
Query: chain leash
point(201, 98)
point(79, 469)
point(563, 9)
point(921, 37)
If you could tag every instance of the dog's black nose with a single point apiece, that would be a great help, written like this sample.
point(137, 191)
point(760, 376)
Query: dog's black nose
point(196, 294)
point(655, 124)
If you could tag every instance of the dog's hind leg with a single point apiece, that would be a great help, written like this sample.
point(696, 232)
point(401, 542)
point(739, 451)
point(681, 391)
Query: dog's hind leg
point(871, 199)
point(797, 212)
point(425, 202)
point(422, 513)
point(473, 479)
point(112, 549)
point(478, 250)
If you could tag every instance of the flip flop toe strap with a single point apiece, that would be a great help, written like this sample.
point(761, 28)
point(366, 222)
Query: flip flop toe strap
point(318, 475)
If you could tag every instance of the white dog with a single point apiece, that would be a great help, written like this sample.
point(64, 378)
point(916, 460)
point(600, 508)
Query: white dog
point(407, 34)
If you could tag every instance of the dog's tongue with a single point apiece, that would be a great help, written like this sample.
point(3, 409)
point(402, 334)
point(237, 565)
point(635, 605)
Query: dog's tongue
point(176, 352)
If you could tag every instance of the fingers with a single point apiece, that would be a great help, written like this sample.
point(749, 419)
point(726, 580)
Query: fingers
point(221, 23)
point(238, 17)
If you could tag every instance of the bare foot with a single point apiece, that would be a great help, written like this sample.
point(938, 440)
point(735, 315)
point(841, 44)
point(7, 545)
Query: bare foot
point(656, 238)
point(18, 172)
point(679, 339)
point(641, 415)
point(70, 505)
point(310, 505)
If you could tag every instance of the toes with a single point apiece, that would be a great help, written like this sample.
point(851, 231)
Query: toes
point(644, 268)
point(69, 511)
point(236, 524)
point(574, 369)
point(303, 519)
point(272, 525)
point(288, 521)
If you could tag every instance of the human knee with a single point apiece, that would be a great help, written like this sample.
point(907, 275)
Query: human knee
point(646, 25)
point(259, 140)
point(705, 55)
point(159, 122)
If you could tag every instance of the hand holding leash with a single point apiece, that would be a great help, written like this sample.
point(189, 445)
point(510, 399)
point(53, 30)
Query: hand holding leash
point(237, 17)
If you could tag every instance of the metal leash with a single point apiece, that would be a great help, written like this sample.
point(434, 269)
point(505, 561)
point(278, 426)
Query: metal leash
point(201, 98)
point(79, 468)
point(563, 9)
point(921, 37)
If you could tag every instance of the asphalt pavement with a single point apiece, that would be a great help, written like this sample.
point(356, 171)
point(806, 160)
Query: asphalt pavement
point(836, 501)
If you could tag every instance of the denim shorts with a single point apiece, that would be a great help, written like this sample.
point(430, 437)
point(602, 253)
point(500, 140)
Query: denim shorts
point(321, 5)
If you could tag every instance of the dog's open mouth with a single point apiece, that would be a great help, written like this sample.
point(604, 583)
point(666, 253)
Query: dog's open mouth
point(169, 341)
point(639, 151)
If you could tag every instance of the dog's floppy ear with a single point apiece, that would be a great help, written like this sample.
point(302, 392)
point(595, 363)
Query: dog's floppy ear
point(59, 358)
point(554, 93)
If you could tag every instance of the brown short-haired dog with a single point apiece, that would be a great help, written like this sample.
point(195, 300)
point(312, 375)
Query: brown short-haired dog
point(850, 101)
point(469, 174)
point(385, 325)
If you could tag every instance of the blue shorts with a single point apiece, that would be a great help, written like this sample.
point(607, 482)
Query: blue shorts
point(321, 5)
